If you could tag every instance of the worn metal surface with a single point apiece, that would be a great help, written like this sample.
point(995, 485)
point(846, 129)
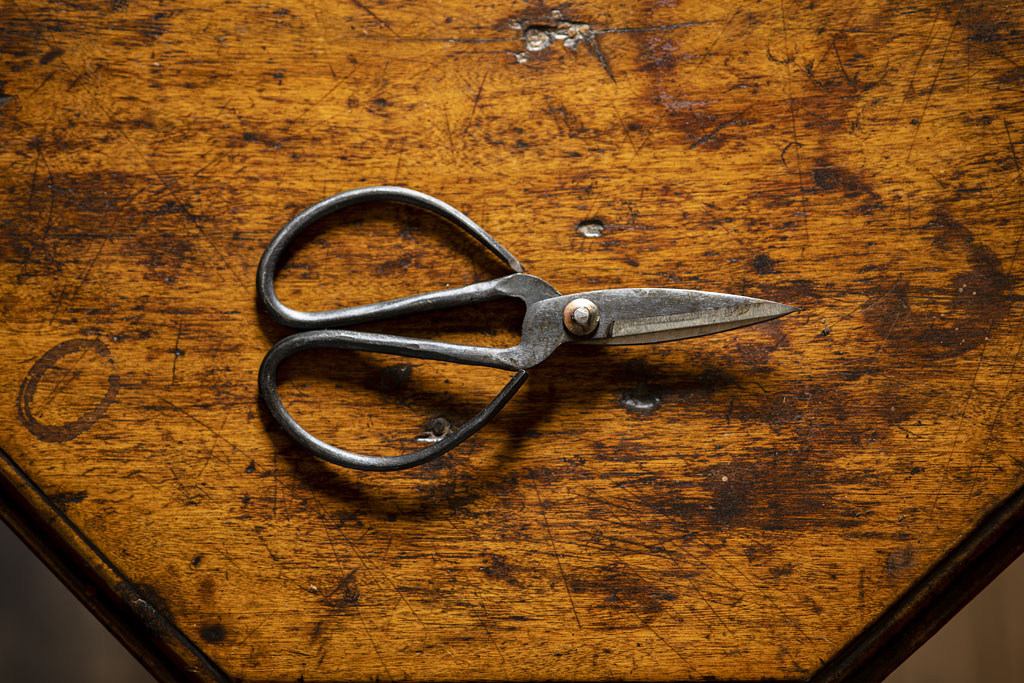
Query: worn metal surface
point(744, 507)
point(664, 314)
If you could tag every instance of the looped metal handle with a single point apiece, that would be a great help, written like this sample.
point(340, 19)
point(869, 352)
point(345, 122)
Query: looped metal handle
point(318, 335)
point(301, 320)
point(360, 341)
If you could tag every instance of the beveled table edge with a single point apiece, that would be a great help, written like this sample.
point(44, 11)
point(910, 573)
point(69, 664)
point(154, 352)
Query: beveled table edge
point(119, 604)
point(170, 655)
point(988, 549)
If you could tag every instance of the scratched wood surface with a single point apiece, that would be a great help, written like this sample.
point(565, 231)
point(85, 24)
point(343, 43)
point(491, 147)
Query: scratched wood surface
point(739, 506)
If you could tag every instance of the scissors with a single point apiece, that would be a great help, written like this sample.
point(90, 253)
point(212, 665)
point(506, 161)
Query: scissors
point(639, 315)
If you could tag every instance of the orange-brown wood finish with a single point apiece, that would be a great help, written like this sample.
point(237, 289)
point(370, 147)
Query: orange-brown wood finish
point(739, 506)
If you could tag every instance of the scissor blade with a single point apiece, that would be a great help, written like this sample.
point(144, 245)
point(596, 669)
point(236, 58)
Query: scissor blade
point(657, 315)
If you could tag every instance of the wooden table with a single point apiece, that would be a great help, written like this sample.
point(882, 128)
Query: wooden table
point(808, 498)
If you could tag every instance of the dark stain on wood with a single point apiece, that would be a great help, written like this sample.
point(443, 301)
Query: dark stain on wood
point(830, 177)
point(499, 569)
point(212, 633)
point(616, 585)
point(344, 594)
point(71, 428)
point(898, 561)
point(63, 499)
point(394, 266)
point(763, 265)
point(766, 490)
point(959, 317)
point(51, 55)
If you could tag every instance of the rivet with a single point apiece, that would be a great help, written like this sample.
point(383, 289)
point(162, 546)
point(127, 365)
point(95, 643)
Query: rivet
point(581, 317)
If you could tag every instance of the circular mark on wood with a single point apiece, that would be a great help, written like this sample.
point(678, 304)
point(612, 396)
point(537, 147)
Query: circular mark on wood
point(85, 357)
point(935, 318)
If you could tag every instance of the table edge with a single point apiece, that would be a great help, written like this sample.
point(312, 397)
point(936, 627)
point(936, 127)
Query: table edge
point(99, 585)
point(170, 655)
point(962, 573)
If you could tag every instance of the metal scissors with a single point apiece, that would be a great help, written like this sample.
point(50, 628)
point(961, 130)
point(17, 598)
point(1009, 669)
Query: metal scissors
point(638, 315)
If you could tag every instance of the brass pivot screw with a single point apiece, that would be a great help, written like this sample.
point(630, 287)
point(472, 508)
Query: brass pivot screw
point(581, 317)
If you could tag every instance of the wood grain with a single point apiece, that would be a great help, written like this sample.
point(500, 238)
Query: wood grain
point(740, 506)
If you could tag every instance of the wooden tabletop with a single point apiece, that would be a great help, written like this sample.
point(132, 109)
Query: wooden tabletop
point(809, 497)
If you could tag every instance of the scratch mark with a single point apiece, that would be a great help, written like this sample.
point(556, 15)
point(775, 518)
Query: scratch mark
point(625, 129)
point(206, 461)
point(53, 195)
point(60, 302)
point(650, 132)
point(372, 570)
point(714, 131)
point(981, 356)
point(595, 48)
point(558, 558)
point(931, 89)
point(1016, 162)
point(41, 84)
point(657, 635)
point(762, 592)
point(383, 72)
point(835, 48)
point(398, 163)
point(642, 29)
point(230, 560)
point(727, 586)
point(448, 129)
point(373, 643)
point(327, 534)
point(714, 42)
point(792, 115)
point(866, 306)
point(956, 433)
point(909, 433)
point(917, 65)
point(504, 664)
point(327, 94)
point(256, 628)
point(206, 165)
point(1002, 403)
point(786, 148)
point(476, 100)
point(200, 423)
point(66, 374)
point(177, 352)
point(35, 175)
point(375, 17)
point(213, 451)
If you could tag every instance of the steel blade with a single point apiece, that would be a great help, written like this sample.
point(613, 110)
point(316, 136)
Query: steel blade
point(646, 316)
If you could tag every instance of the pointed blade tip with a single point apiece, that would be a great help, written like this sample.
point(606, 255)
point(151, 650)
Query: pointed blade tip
point(787, 309)
point(778, 310)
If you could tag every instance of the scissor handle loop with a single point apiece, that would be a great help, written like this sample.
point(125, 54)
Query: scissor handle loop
point(275, 250)
point(360, 341)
